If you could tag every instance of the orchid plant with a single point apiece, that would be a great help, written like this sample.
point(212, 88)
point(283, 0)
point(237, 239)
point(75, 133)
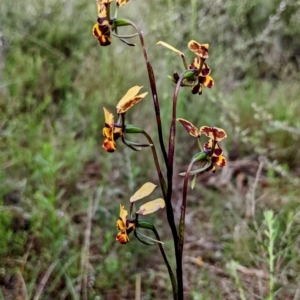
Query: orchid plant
point(209, 157)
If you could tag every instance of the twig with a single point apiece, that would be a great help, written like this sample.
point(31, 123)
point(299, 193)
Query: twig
point(85, 251)
point(44, 281)
point(138, 287)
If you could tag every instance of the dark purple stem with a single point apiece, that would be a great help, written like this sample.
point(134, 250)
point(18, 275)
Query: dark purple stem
point(169, 208)
point(183, 208)
point(154, 93)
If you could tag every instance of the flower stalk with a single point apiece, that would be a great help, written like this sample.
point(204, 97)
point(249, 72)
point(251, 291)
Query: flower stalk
point(194, 76)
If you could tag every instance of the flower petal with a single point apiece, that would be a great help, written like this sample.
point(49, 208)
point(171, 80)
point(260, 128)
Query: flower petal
point(207, 81)
point(215, 133)
point(123, 215)
point(208, 147)
point(195, 63)
point(189, 127)
point(197, 89)
point(109, 118)
point(102, 33)
point(122, 237)
point(104, 1)
point(219, 161)
point(121, 2)
point(121, 225)
point(130, 99)
point(170, 47)
point(144, 191)
point(198, 49)
point(109, 145)
point(151, 206)
point(205, 70)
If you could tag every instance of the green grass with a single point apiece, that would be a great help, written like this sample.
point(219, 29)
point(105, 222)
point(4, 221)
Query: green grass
point(53, 85)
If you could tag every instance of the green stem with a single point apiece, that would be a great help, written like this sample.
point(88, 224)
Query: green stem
point(159, 173)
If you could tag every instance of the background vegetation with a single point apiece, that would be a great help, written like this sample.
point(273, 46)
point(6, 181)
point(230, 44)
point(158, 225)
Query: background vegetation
point(60, 191)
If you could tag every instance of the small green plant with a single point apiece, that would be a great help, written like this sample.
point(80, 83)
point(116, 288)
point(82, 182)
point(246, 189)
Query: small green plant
point(271, 233)
point(195, 76)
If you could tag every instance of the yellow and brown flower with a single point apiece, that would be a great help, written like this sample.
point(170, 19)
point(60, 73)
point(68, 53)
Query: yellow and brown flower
point(215, 135)
point(203, 76)
point(113, 131)
point(110, 132)
point(198, 65)
point(211, 147)
point(217, 158)
point(102, 29)
point(124, 226)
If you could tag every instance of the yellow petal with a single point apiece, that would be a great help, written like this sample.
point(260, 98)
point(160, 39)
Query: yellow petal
point(170, 47)
point(151, 206)
point(123, 214)
point(144, 191)
point(130, 99)
point(220, 161)
point(120, 225)
point(208, 81)
point(189, 127)
point(109, 118)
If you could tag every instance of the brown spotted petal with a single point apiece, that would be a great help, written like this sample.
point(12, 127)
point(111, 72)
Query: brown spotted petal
point(189, 127)
point(102, 33)
point(206, 81)
point(130, 99)
point(215, 133)
point(208, 147)
point(195, 65)
point(219, 161)
point(198, 49)
point(121, 2)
